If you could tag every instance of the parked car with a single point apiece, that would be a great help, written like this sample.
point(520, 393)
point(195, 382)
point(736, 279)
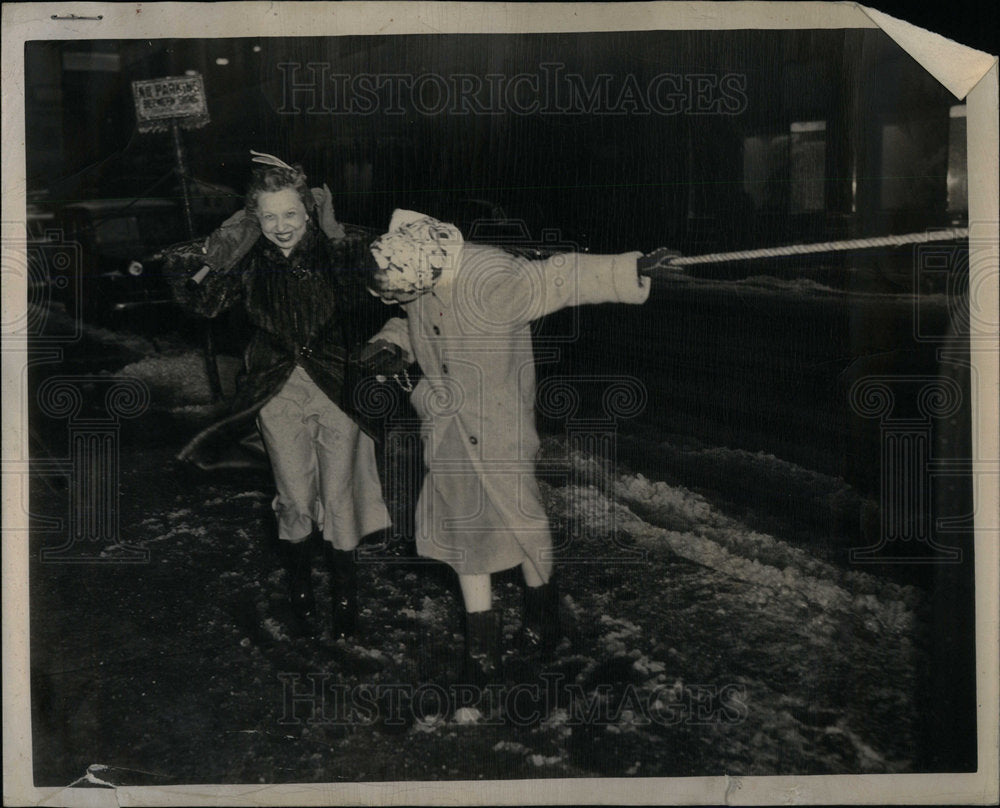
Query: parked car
point(112, 236)
point(98, 256)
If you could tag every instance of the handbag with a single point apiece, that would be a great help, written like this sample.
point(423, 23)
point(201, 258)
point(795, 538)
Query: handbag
point(378, 380)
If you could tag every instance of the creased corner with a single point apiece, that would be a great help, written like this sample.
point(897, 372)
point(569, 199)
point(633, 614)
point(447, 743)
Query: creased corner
point(958, 67)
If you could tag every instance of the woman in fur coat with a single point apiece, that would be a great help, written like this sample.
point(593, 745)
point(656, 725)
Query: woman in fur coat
point(286, 261)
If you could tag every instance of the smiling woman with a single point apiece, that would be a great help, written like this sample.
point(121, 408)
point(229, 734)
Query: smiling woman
point(283, 218)
point(308, 308)
point(280, 199)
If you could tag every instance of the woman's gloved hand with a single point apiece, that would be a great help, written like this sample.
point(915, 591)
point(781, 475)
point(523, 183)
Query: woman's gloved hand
point(233, 240)
point(381, 357)
point(658, 259)
point(327, 219)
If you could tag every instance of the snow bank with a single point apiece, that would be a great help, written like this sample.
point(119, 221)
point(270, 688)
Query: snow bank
point(178, 380)
point(656, 514)
point(795, 286)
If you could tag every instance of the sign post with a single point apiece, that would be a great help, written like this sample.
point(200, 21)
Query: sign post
point(175, 103)
point(182, 173)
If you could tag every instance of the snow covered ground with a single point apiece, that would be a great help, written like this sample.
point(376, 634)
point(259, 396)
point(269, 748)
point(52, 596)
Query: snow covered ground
point(702, 636)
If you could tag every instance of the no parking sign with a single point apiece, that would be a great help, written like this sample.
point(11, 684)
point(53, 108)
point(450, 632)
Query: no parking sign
point(174, 103)
point(160, 103)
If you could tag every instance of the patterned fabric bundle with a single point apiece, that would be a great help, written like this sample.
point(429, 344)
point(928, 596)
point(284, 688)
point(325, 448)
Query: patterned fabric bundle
point(415, 251)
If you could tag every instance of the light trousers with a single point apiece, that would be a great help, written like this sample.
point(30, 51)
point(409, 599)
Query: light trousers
point(324, 467)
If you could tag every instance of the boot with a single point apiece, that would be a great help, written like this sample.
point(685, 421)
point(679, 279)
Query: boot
point(483, 636)
point(343, 591)
point(300, 592)
point(540, 632)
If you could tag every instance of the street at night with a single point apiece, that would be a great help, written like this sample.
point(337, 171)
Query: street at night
point(711, 629)
point(678, 339)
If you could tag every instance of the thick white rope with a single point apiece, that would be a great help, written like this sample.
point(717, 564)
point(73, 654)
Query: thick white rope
point(925, 237)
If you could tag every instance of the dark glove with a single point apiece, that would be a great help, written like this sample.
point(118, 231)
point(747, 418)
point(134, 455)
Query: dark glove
point(380, 358)
point(328, 223)
point(231, 241)
point(657, 259)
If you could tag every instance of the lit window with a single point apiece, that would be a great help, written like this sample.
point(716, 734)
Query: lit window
point(958, 176)
point(807, 164)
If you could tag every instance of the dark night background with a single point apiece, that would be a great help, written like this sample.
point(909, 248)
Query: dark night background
point(888, 157)
point(666, 178)
point(727, 361)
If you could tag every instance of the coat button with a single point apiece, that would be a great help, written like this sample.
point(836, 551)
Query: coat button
point(473, 440)
point(437, 330)
point(444, 368)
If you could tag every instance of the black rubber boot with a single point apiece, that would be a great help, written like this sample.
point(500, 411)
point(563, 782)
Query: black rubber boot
point(343, 591)
point(540, 633)
point(483, 635)
point(300, 591)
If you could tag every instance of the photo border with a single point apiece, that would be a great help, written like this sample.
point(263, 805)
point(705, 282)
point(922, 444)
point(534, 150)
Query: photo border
point(967, 73)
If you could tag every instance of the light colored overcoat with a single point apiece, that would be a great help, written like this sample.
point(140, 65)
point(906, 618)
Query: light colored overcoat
point(480, 509)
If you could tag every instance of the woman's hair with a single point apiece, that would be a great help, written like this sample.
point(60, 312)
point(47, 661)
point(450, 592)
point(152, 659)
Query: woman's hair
point(275, 178)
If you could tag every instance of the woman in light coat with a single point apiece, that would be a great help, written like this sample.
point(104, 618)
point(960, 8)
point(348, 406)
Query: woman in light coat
point(468, 313)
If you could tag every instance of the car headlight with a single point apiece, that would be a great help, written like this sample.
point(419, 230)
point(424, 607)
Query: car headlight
point(135, 269)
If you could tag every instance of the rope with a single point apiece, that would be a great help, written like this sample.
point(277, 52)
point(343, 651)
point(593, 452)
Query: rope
point(819, 247)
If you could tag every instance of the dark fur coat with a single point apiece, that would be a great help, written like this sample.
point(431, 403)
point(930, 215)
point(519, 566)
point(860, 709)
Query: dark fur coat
point(310, 308)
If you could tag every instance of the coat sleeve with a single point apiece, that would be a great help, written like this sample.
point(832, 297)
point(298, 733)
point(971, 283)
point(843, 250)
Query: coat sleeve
point(217, 293)
point(510, 291)
point(397, 331)
point(224, 254)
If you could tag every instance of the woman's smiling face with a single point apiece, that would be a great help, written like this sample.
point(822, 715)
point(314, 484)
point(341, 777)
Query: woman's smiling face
point(282, 217)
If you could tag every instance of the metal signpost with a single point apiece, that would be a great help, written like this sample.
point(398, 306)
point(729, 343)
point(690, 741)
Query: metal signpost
point(175, 103)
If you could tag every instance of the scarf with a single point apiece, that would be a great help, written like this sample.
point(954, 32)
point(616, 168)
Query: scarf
point(415, 251)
